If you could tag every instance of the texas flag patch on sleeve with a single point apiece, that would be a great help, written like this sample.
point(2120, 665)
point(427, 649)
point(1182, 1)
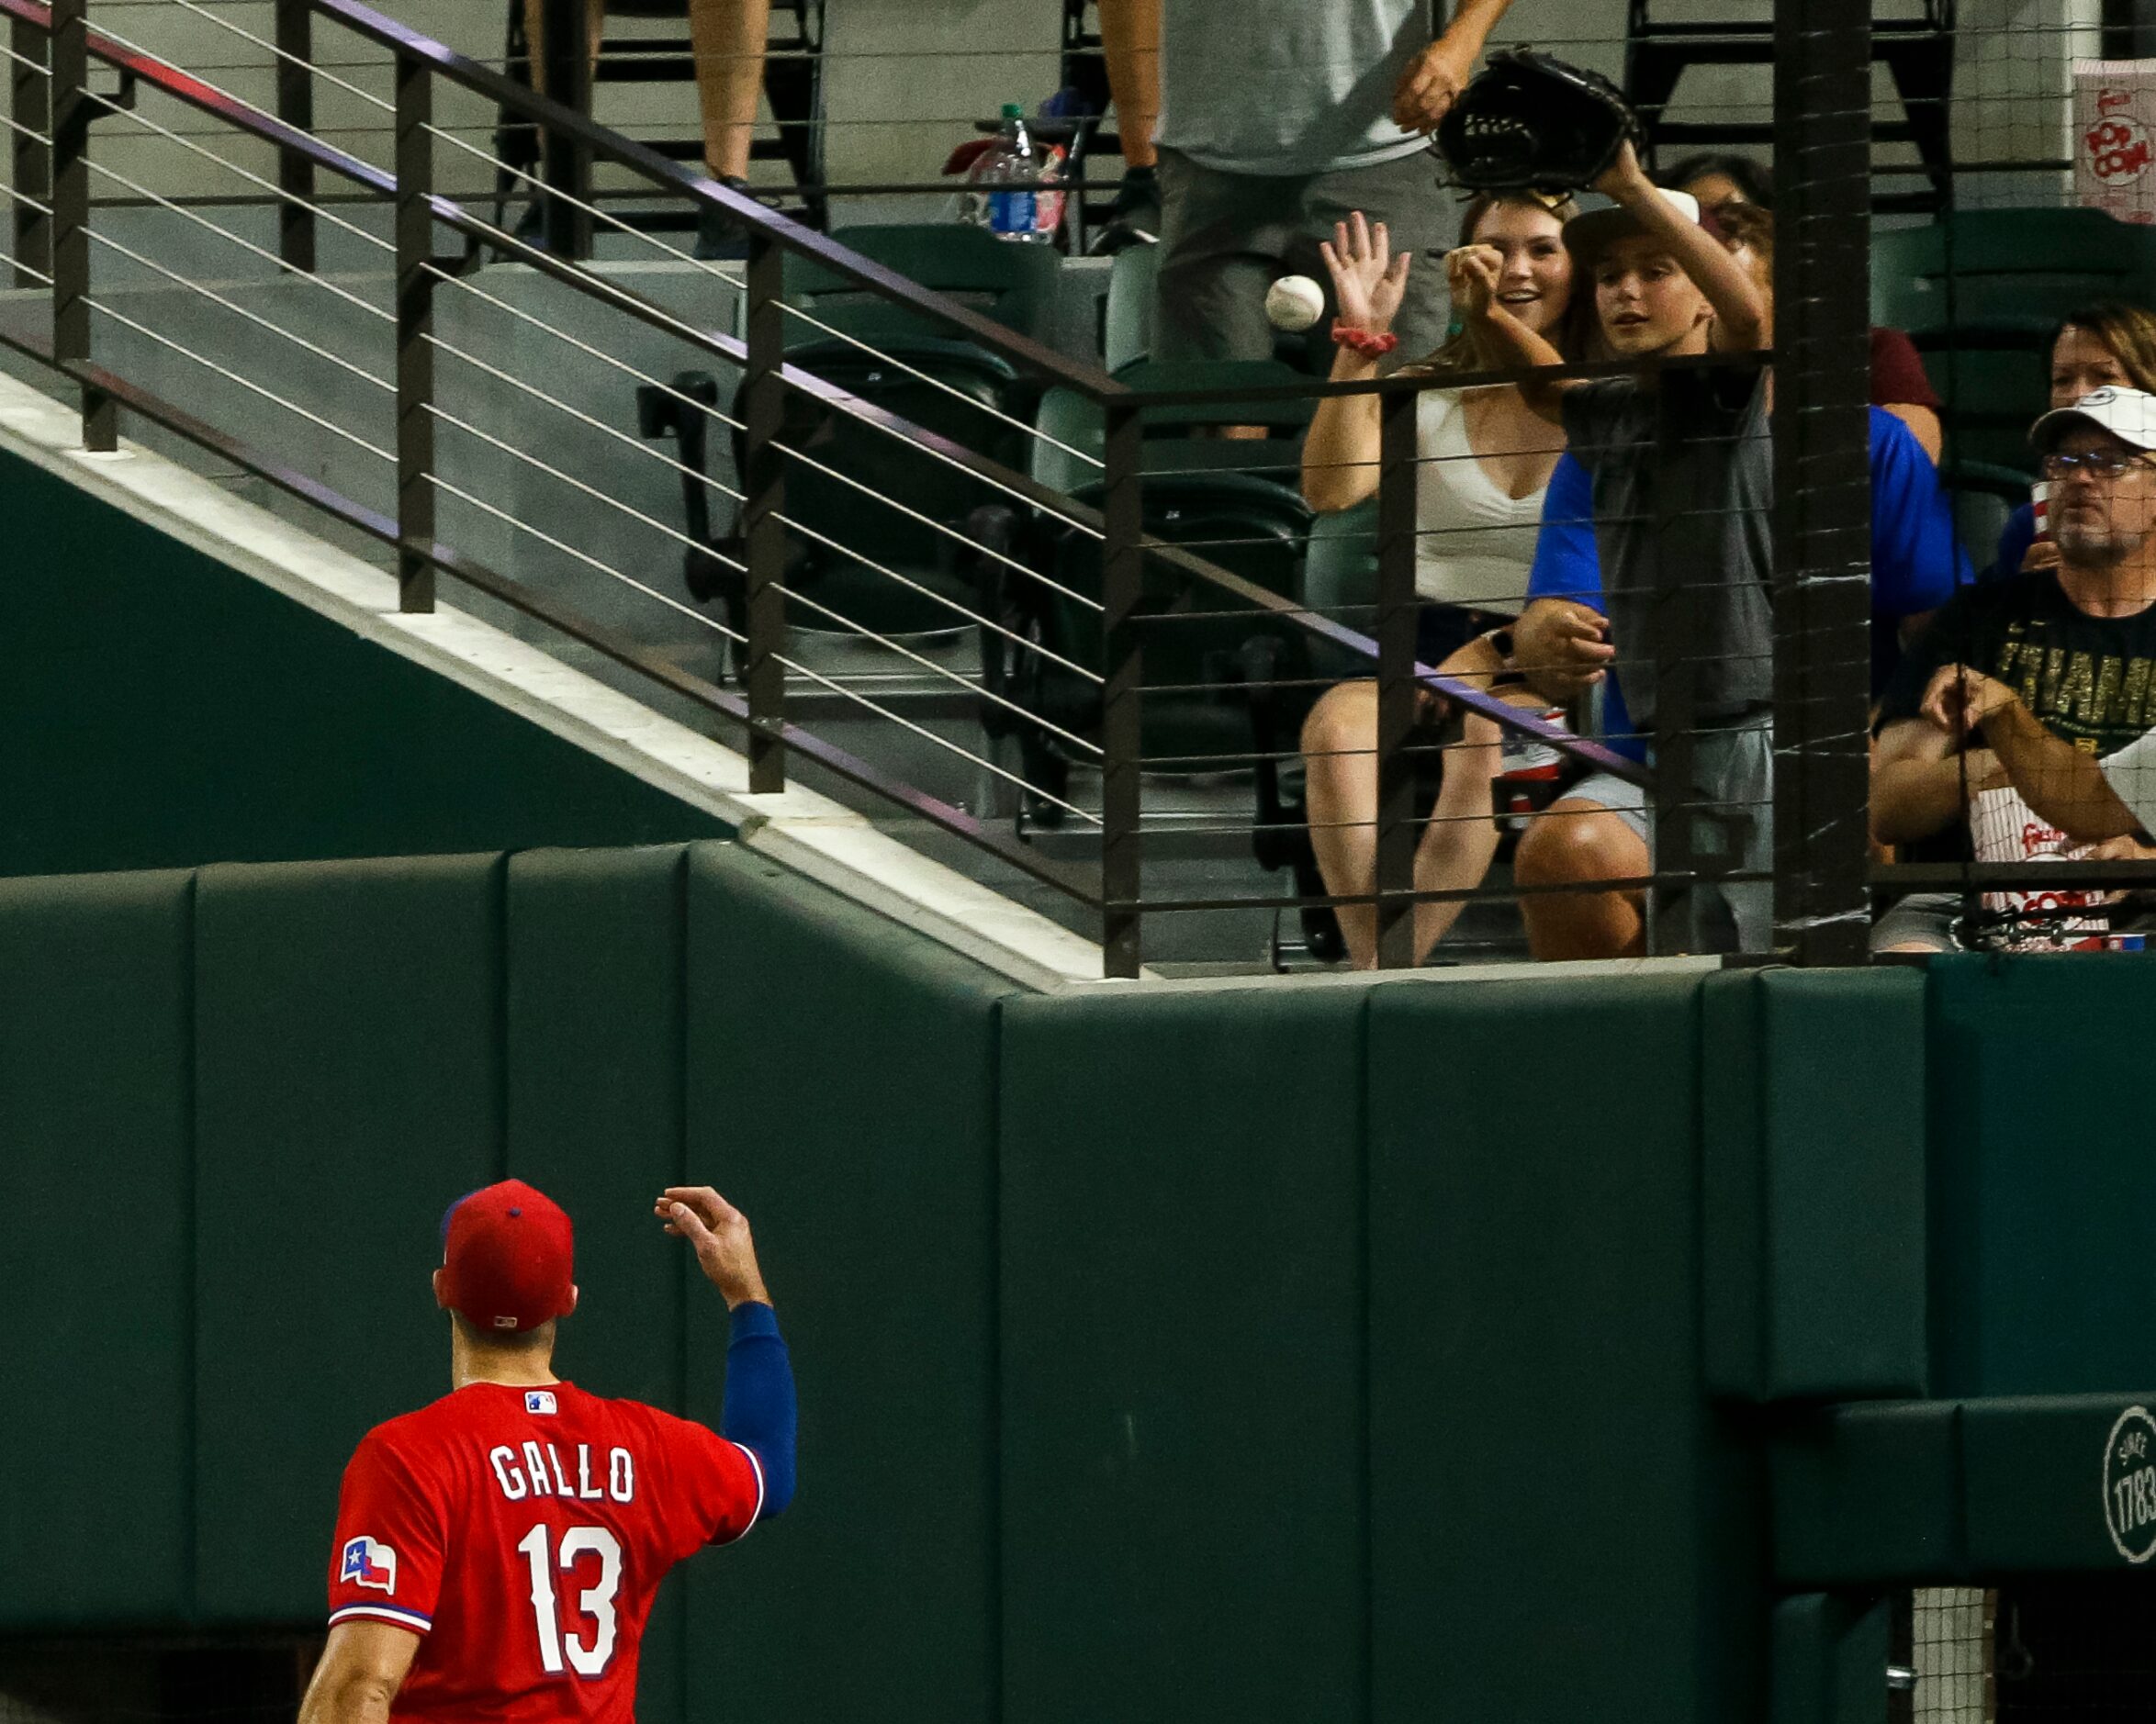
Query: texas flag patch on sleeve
point(369, 1563)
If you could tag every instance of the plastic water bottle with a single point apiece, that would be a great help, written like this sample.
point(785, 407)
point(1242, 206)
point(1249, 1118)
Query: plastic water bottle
point(1009, 215)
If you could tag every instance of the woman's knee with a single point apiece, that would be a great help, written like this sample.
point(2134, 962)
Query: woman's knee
point(1578, 841)
point(1344, 721)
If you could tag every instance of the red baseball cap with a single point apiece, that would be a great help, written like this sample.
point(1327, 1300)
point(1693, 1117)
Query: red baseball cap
point(507, 1256)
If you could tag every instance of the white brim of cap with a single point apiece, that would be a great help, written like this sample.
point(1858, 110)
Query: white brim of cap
point(2136, 427)
point(1587, 236)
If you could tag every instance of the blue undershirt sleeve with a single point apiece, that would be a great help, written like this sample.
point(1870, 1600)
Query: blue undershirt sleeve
point(1917, 561)
point(1568, 563)
point(759, 1412)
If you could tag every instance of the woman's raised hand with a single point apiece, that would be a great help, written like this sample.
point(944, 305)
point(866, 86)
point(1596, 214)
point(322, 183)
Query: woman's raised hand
point(1369, 282)
point(1472, 272)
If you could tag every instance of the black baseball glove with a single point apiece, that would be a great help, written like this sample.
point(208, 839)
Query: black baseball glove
point(1531, 123)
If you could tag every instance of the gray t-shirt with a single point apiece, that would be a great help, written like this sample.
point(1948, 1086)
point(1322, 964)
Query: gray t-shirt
point(1700, 519)
point(1287, 87)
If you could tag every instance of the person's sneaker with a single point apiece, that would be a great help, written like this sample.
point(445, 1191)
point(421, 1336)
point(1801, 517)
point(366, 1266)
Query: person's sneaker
point(719, 238)
point(532, 225)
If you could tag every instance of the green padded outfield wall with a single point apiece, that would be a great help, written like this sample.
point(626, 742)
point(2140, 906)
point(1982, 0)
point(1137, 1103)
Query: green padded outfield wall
point(1322, 1353)
point(185, 713)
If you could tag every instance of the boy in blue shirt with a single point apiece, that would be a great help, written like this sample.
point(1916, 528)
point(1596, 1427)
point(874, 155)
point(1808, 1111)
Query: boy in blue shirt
point(1669, 486)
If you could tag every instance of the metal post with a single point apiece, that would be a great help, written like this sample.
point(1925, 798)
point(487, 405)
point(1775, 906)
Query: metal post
point(415, 329)
point(295, 223)
point(31, 99)
point(1397, 833)
point(1676, 650)
point(1823, 498)
point(763, 481)
point(1122, 872)
point(72, 106)
point(565, 64)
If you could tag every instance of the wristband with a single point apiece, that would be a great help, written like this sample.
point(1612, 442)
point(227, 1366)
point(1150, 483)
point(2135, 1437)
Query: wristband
point(1363, 341)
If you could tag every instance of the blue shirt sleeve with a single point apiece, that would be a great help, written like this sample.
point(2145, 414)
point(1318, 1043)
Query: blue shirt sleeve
point(2015, 539)
point(759, 1411)
point(1917, 560)
point(1566, 563)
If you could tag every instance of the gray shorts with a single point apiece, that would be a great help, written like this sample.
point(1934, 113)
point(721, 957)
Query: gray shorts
point(1226, 238)
point(1923, 922)
point(1735, 771)
point(1937, 921)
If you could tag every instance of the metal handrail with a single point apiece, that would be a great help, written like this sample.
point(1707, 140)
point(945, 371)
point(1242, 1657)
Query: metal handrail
point(1119, 521)
point(752, 216)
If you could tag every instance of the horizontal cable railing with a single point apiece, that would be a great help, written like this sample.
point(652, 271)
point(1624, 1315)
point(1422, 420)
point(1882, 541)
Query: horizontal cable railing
point(1078, 551)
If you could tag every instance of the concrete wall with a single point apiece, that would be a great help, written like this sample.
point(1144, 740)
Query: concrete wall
point(168, 710)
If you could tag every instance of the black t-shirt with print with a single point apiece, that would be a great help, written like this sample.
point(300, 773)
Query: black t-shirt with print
point(2090, 679)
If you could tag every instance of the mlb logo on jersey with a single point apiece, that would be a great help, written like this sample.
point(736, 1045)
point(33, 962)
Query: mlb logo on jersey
point(368, 1562)
point(539, 1401)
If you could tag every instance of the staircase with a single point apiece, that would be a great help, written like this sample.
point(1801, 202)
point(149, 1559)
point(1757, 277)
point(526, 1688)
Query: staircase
point(1917, 51)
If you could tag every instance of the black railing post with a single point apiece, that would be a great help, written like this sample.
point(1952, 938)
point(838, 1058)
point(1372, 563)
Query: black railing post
point(1822, 479)
point(763, 484)
point(295, 223)
point(31, 97)
point(415, 332)
point(1122, 804)
point(72, 106)
point(565, 62)
point(1675, 719)
point(1397, 835)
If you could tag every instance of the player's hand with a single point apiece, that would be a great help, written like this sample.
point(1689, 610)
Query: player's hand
point(720, 1234)
point(1431, 84)
point(1473, 273)
point(1369, 282)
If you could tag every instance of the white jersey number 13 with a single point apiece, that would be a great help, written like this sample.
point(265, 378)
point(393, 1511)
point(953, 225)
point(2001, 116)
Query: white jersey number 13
point(587, 1657)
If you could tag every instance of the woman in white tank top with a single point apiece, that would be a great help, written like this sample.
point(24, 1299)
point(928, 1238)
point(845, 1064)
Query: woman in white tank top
point(1486, 463)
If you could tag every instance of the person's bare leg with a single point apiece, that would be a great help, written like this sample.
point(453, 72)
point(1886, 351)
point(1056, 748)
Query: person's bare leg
point(729, 38)
point(1340, 756)
point(1461, 840)
point(535, 35)
point(1581, 841)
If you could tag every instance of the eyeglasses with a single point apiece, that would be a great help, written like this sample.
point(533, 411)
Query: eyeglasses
point(2098, 464)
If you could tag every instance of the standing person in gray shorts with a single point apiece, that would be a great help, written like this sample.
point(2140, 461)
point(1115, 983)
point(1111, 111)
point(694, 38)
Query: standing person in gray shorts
point(1276, 120)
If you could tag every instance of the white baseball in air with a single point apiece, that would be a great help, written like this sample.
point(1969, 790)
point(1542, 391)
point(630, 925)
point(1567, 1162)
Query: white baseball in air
point(1293, 303)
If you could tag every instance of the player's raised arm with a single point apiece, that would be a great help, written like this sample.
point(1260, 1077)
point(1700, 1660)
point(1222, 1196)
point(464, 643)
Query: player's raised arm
point(363, 1666)
point(761, 1413)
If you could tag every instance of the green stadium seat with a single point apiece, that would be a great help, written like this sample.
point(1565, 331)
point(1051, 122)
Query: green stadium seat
point(1340, 578)
point(1013, 284)
point(913, 366)
point(1133, 282)
point(1981, 293)
point(1073, 441)
point(1237, 498)
point(1983, 496)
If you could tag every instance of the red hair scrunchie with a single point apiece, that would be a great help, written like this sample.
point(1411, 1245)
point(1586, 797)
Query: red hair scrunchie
point(1363, 341)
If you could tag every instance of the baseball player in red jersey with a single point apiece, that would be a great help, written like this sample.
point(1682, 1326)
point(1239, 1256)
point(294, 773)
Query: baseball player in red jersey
point(496, 1553)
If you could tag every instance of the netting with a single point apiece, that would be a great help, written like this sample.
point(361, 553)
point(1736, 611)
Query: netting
point(944, 576)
